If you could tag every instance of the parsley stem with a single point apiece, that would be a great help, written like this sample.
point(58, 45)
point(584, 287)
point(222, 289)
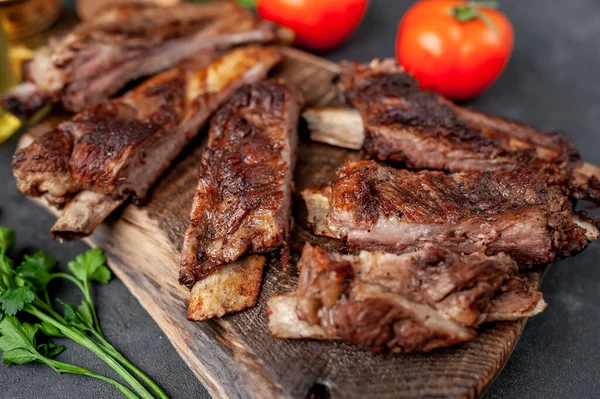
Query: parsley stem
point(85, 290)
point(69, 368)
point(88, 296)
point(112, 351)
point(91, 345)
point(68, 277)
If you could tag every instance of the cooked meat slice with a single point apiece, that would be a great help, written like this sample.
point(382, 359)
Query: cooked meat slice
point(379, 208)
point(416, 301)
point(283, 320)
point(42, 168)
point(120, 147)
point(233, 288)
point(242, 204)
point(517, 300)
point(127, 42)
point(402, 123)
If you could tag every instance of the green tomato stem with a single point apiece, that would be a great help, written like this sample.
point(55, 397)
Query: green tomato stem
point(91, 345)
point(69, 368)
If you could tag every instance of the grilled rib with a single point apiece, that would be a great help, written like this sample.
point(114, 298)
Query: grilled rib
point(401, 303)
point(120, 147)
point(396, 120)
point(374, 207)
point(242, 204)
point(124, 43)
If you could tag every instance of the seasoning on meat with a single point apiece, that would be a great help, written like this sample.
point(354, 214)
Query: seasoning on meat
point(374, 207)
point(119, 148)
point(243, 200)
point(98, 57)
point(401, 303)
point(396, 120)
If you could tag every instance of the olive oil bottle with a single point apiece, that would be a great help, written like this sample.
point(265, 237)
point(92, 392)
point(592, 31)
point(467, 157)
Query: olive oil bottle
point(9, 124)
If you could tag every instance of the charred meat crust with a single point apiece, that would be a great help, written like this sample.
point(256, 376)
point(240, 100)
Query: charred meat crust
point(118, 148)
point(401, 303)
point(387, 96)
point(127, 42)
point(406, 124)
point(517, 212)
point(47, 156)
point(243, 199)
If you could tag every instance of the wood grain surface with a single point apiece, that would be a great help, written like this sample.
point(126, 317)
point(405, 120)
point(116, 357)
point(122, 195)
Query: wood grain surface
point(236, 357)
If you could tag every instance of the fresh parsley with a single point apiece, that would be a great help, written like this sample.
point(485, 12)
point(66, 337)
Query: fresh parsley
point(23, 292)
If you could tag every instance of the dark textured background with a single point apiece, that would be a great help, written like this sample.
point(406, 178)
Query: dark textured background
point(551, 82)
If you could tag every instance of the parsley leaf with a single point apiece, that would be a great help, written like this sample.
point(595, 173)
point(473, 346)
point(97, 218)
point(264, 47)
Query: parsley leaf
point(49, 330)
point(7, 239)
point(50, 349)
point(91, 266)
point(14, 299)
point(17, 341)
point(36, 269)
point(80, 316)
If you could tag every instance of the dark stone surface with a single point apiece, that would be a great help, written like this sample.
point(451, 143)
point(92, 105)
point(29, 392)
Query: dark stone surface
point(551, 82)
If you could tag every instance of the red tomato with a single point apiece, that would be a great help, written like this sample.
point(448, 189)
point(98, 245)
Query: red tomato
point(319, 24)
point(456, 59)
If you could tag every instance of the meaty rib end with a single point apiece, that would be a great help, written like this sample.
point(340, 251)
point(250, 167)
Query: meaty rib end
point(378, 208)
point(24, 100)
point(122, 146)
point(242, 204)
point(400, 303)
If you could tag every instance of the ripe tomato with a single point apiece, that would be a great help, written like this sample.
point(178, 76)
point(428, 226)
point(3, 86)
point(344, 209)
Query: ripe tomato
point(456, 59)
point(319, 24)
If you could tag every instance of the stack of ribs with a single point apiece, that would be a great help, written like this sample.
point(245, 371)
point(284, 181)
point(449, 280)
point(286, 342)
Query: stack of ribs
point(429, 254)
point(118, 148)
point(418, 260)
point(243, 200)
point(101, 56)
point(392, 119)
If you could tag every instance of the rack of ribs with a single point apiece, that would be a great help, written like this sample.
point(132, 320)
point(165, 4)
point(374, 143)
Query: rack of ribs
point(128, 42)
point(422, 300)
point(119, 148)
point(373, 207)
point(243, 200)
point(392, 119)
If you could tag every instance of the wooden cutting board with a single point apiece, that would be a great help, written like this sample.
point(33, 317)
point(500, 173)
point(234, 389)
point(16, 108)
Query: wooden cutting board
point(236, 357)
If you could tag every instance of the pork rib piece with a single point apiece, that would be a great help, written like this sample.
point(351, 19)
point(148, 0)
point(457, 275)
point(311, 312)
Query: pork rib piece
point(242, 204)
point(127, 42)
point(401, 303)
point(120, 147)
point(374, 207)
point(396, 120)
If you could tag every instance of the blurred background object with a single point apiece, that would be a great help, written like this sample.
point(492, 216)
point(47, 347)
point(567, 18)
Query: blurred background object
point(86, 9)
point(9, 124)
point(22, 18)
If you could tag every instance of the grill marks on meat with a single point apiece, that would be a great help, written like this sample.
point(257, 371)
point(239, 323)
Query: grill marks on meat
point(401, 303)
point(425, 131)
point(120, 147)
point(404, 123)
point(379, 208)
point(242, 204)
point(124, 43)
